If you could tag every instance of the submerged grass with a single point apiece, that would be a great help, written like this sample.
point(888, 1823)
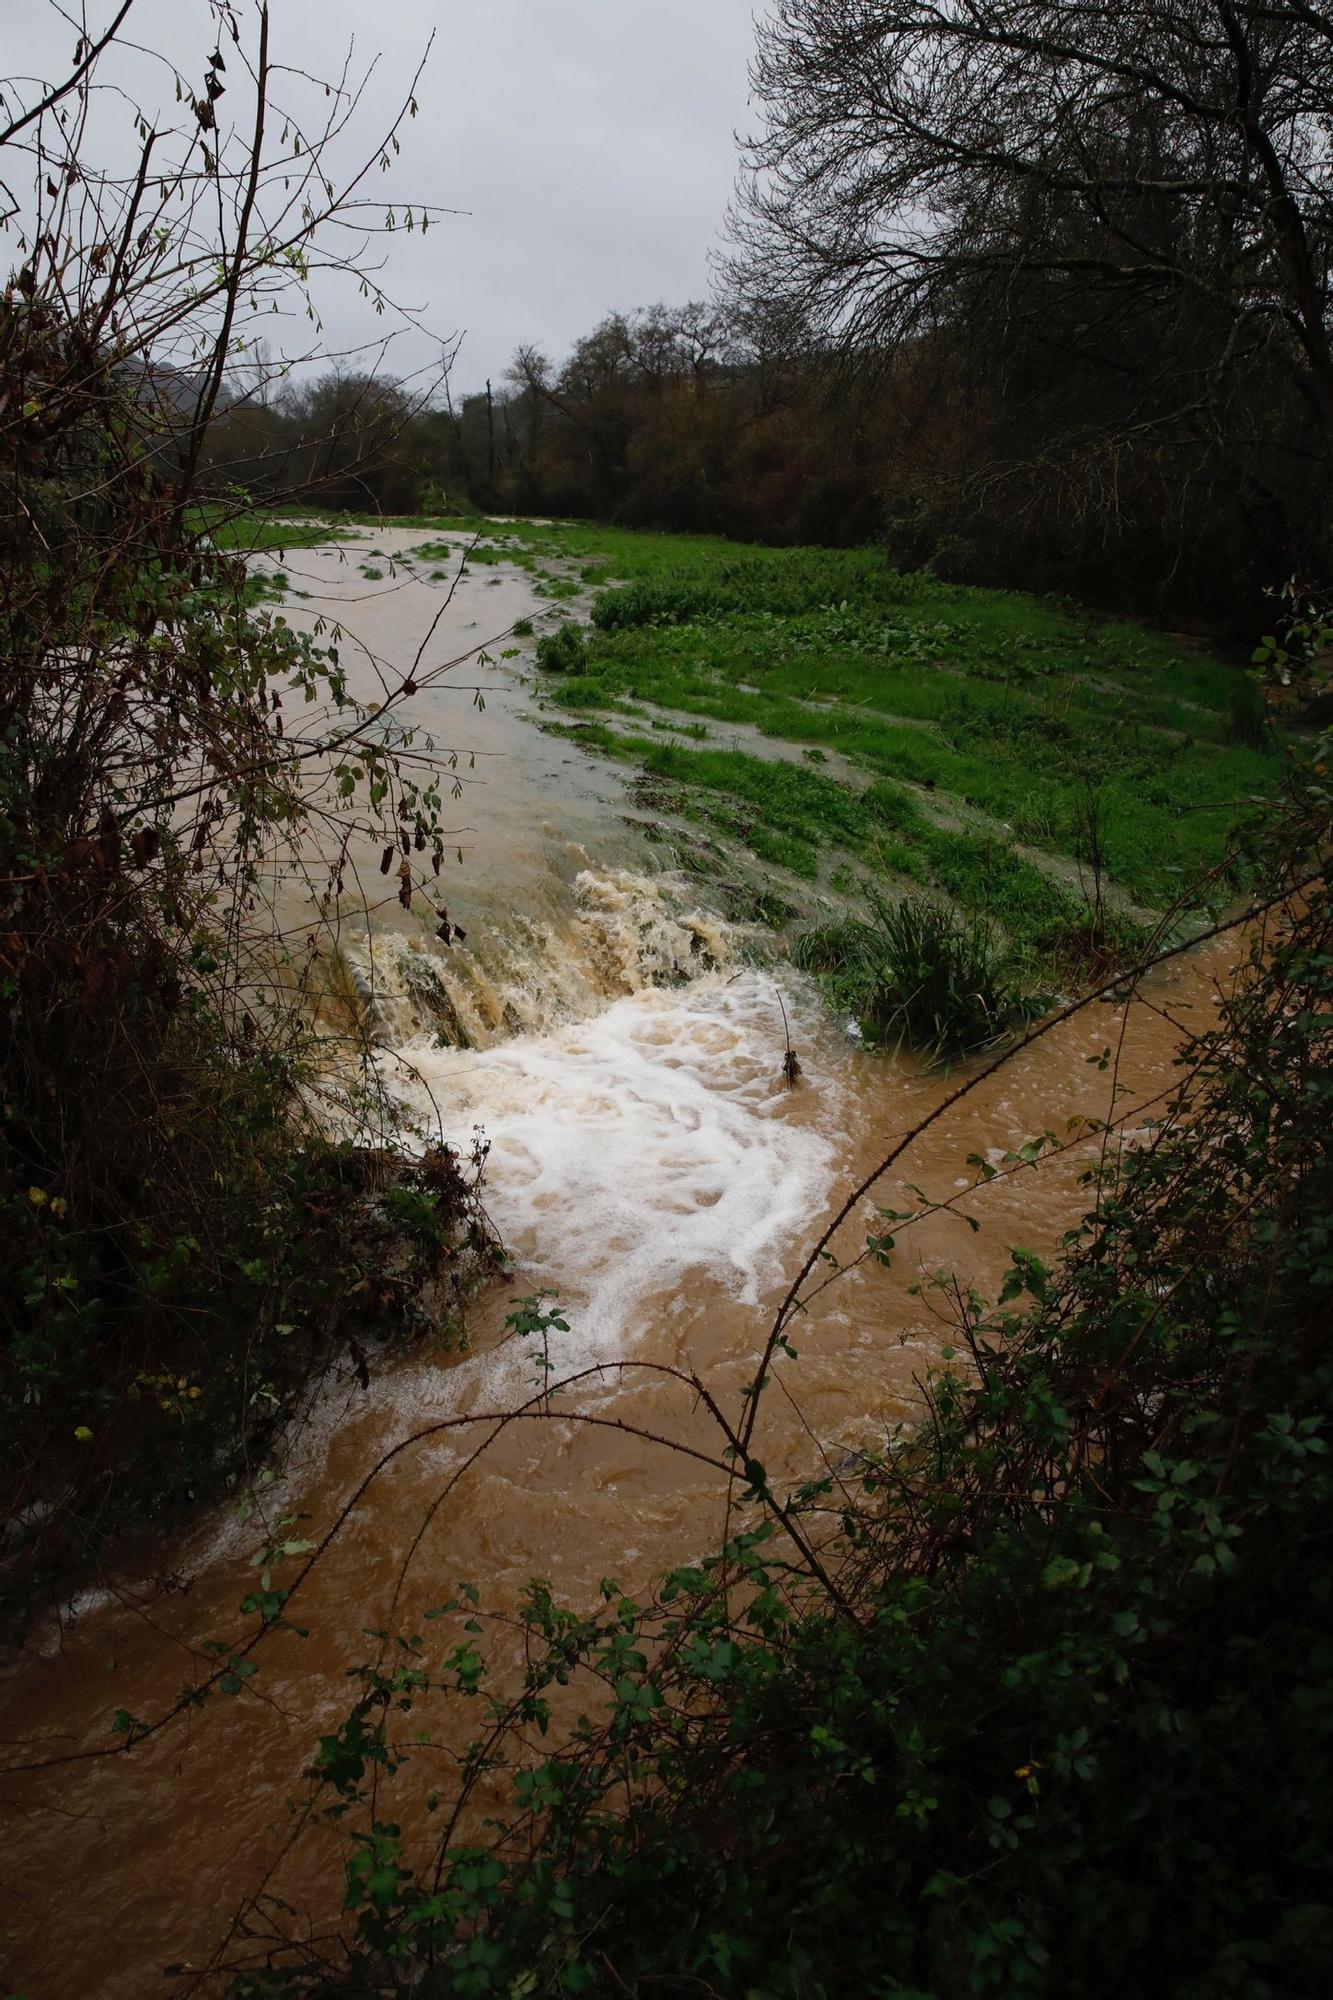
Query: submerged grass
point(975, 722)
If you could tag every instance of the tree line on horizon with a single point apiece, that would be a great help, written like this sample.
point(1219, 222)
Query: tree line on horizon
point(682, 420)
point(1036, 301)
point(673, 419)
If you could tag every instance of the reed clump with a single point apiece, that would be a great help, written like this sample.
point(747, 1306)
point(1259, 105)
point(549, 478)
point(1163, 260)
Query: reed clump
point(916, 973)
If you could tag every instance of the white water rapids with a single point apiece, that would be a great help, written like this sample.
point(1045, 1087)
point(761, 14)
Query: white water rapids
point(637, 1146)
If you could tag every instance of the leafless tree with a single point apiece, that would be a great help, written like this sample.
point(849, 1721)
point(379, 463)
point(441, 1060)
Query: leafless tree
point(1134, 197)
point(1169, 150)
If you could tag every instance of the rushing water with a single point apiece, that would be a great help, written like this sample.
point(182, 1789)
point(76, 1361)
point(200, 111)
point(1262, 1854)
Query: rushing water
point(649, 1162)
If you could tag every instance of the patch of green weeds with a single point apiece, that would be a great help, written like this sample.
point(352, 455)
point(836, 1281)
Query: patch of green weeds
point(697, 732)
point(918, 973)
point(562, 652)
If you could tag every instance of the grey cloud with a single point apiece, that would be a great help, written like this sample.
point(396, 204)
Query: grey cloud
point(591, 142)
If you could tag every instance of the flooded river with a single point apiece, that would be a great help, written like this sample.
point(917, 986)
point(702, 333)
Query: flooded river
point(649, 1163)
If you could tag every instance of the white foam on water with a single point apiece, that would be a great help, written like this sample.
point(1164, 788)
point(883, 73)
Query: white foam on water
point(651, 1144)
point(608, 933)
point(631, 1149)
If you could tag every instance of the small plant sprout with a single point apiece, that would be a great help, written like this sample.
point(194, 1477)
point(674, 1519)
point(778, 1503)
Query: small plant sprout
point(532, 1316)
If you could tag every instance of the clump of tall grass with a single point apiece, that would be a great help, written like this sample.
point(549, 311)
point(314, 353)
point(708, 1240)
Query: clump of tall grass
point(917, 974)
point(845, 949)
point(1248, 720)
point(890, 805)
point(562, 652)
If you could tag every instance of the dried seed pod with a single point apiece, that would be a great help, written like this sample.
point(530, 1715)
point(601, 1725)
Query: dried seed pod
point(145, 843)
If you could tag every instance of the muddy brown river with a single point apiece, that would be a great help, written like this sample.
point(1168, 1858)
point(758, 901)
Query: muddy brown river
point(649, 1164)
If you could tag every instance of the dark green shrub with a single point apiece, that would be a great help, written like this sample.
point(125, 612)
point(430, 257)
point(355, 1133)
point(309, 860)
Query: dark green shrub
point(913, 529)
point(563, 652)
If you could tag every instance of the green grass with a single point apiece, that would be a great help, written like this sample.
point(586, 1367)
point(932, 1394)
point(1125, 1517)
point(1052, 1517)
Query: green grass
point(1013, 725)
point(792, 815)
point(1008, 704)
point(251, 533)
point(990, 713)
point(784, 812)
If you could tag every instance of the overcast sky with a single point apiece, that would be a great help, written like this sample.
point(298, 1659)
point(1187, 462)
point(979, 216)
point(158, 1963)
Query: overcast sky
point(591, 141)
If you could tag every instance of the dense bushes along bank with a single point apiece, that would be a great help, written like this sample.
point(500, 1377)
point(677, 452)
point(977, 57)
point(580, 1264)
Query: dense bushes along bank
point(181, 1240)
